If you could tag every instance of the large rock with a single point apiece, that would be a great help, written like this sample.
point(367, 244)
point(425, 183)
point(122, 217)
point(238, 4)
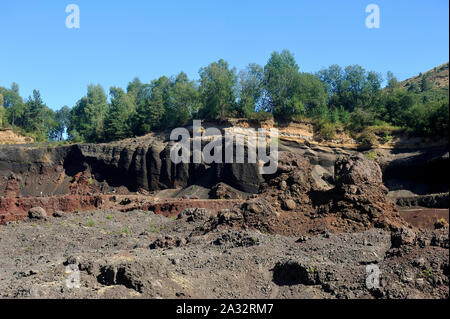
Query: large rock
point(37, 213)
point(358, 170)
point(254, 213)
point(289, 204)
point(224, 191)
point(290, 187)
point(361, 195)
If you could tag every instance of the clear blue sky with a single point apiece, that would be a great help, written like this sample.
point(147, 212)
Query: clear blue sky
point(119, 39)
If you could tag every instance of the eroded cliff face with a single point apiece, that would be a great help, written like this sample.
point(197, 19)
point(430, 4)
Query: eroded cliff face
point(144, 164)
point(318, 181)
point(140, 164)
point(420, 171)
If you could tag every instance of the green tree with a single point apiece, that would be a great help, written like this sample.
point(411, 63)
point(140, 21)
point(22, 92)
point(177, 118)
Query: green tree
point(280, 81)
point(395, 106)
point(15, 87)
point(425, 83)
point(13, 104)
point(413, 87)
point(182, 103)
point(428, 119)
point(60, 123)
point(290, 92)
point(150, 105)
point(133, 89)
point(352, 87)
point(353, 84)
point(117, 123)
point(218, 90)
point(332, 78)
point(36, 116)
point(372, 89)
point(251, 89)
point(87, 116)
point(311, 92)
point(392, 82)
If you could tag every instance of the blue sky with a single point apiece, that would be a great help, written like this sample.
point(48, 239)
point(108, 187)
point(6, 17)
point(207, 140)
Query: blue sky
point(119, 40)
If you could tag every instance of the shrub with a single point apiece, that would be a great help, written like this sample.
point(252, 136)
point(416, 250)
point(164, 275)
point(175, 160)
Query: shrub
point(326, 130)
point(367, 138)
point(360, 119)
point(260, 116)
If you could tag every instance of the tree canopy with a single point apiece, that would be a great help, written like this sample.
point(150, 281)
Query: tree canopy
point(348, 96)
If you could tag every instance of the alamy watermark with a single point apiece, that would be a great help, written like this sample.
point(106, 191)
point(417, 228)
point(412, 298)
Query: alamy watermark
point(73, 278)
point(373, 19)
point(73, 19)
point(373, 276)
point(251, 146)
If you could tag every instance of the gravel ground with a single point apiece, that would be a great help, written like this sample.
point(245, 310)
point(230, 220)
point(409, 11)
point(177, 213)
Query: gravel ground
point(139, 254)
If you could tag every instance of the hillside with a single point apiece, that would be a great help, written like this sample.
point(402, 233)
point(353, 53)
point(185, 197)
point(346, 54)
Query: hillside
point(8, 136)
point(438, 77)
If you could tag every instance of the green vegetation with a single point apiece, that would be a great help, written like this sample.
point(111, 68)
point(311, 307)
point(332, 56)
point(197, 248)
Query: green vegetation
point(335, 99)
point(371, 155)
point(428, 273)
point(155, 228)
point(125, 231)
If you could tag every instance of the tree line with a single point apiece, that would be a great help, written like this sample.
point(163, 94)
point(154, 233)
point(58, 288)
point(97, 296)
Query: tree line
point(350, 98)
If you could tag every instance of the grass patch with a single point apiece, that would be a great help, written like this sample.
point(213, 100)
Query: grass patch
point(125, 230)
point(371, 155)
point(428, 273)
point(155, 228)
point(90, 223)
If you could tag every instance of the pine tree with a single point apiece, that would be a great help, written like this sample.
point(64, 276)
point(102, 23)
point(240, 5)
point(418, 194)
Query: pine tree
point(117, 120)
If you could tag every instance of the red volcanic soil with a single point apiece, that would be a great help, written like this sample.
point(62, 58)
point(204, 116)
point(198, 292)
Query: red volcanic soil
point(424, 218)
point(16, 208)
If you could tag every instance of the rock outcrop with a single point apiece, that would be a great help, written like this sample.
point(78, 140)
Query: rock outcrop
point(126, 166)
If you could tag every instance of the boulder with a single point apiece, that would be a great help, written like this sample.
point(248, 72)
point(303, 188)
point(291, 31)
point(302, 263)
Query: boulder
point(289, 204)
point(58, 214)
point(195, 214)
point(37, 213)
point(258, 214)
point(358, 170)
point(360, 194)
point(224, 191)
point(403, 236)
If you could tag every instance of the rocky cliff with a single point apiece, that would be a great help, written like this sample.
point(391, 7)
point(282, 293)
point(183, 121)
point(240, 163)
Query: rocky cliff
point(318, 181)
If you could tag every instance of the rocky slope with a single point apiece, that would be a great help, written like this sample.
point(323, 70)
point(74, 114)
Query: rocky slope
point(8, 136)
point(139, 254)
